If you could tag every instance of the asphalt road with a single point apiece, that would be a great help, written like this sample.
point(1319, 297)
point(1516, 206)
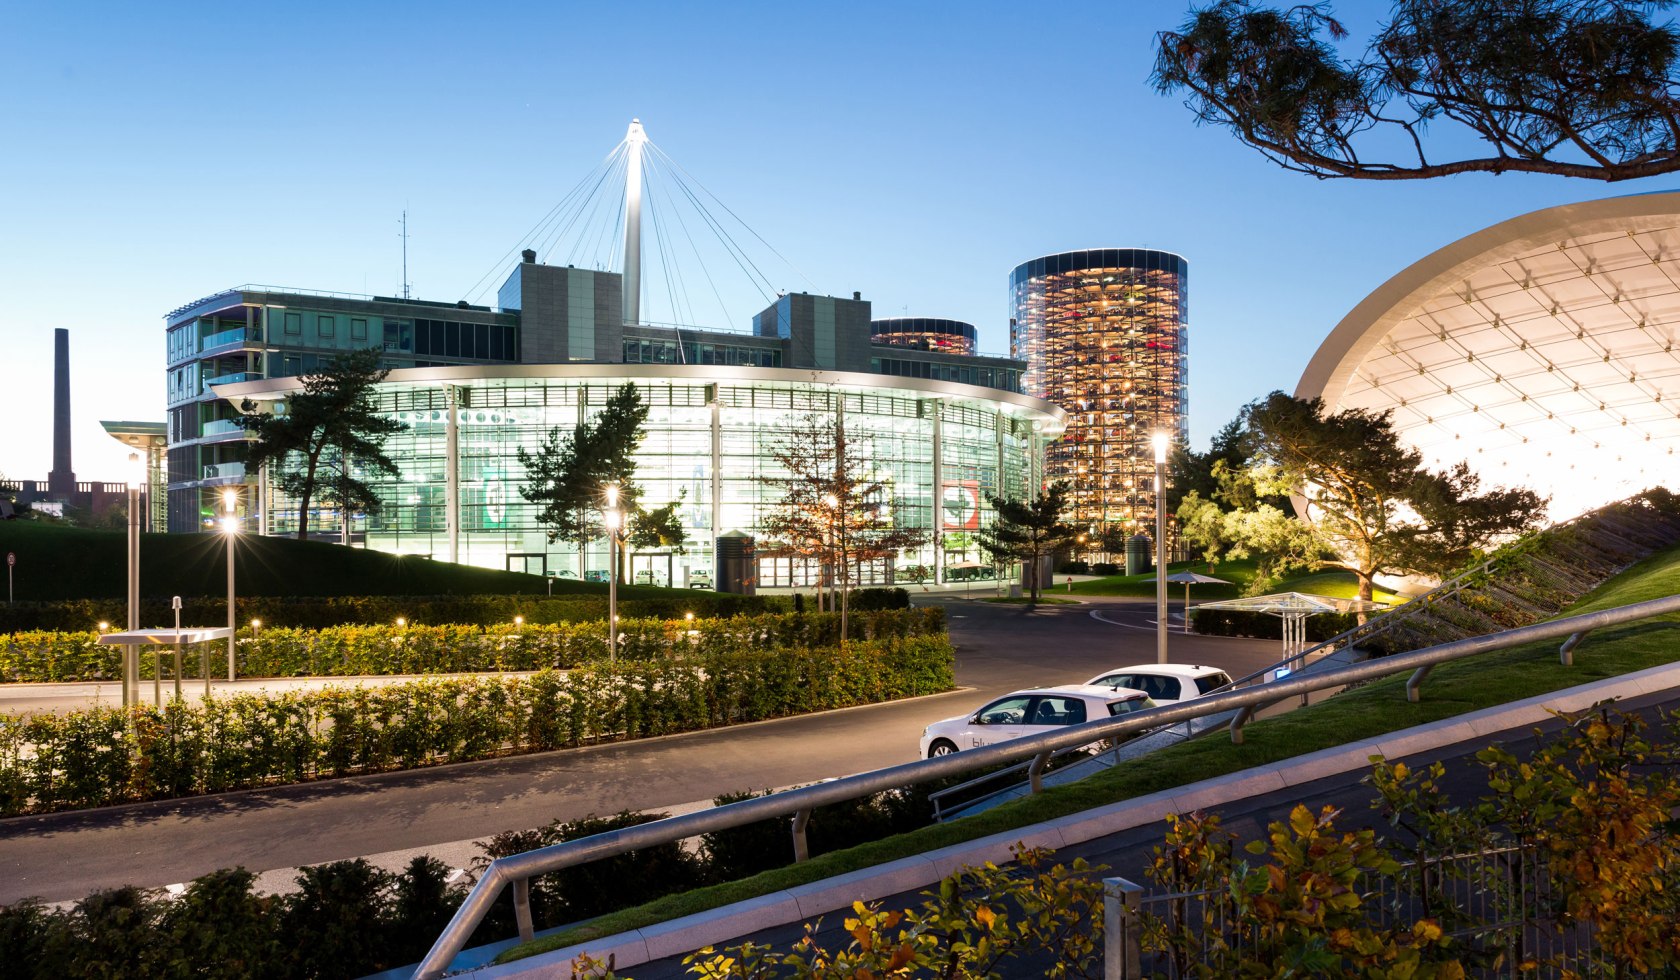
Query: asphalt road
point(1000, 648)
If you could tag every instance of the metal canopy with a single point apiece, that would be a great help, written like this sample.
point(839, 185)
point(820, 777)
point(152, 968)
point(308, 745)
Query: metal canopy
point(1294, 604)
point(183, 635)
point(1191, 578)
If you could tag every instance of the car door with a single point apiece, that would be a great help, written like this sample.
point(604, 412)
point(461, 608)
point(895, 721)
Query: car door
point(996, 722)
point(1050, 712)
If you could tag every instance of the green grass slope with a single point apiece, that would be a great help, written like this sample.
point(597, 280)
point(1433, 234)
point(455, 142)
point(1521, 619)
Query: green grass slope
point(1373, 710)
point(1337, 582)
point(59, 562)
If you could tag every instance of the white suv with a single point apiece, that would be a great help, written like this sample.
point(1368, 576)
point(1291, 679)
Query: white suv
point(1031, 712)
point(1165, 683)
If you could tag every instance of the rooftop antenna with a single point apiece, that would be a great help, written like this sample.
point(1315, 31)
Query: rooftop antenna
point(635, 138)
point(404, 237)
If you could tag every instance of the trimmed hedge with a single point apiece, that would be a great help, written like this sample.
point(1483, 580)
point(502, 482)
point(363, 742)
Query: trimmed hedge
point(102, 756)
point(347, 651)
point(347, 919)
point(317, 612)
point(1220, 622)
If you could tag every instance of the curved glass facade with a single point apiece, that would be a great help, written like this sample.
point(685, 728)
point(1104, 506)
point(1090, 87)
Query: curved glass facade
point(925, 333)
point(1104, 333)
point(942, 447)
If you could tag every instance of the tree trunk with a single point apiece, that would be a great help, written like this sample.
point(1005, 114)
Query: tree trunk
point(308, 491)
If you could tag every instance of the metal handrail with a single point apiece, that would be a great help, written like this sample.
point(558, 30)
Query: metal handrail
point(518, 869)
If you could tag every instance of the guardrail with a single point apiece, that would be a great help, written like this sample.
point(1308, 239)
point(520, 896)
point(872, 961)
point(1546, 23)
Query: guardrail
point(517, 870)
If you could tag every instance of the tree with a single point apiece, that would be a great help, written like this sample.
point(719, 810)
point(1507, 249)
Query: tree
point(830, 504)
point(1246, 516)
point(330, 425)
point(568, 473)
point(661, 527)
point(1029, 531)
point(1369, 498)
point(1577, 88)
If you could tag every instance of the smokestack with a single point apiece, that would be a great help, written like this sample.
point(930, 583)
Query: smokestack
point(61, 482)
point(529, 255)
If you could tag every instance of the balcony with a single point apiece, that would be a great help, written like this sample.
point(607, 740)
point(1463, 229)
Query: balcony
point(225, 339)
point(228, 379)
point(225, 471)
point(221, 427)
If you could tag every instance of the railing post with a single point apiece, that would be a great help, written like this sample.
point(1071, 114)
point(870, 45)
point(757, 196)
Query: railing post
point(1416, 681)
point(522, 909)
point(1122, 953)
point(1035, 772)
point(801, 849)
point(1243, 716)
point(1566, 653)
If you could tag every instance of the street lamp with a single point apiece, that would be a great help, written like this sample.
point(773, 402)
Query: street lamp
point(131, 653)
point(230, 528)
point(612, 518)
point(1160, 440)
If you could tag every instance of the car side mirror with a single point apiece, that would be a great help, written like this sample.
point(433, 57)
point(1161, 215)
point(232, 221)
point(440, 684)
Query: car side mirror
point(975, 720)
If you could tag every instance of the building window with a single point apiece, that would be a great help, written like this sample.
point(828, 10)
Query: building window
point(294, 323)
point(326, 326)
point(358, 328)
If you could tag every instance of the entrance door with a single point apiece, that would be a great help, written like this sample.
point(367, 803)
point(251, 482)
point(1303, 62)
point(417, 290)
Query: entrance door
point(531, 563)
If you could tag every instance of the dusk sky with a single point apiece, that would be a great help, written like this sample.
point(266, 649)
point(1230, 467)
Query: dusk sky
point(916, 153)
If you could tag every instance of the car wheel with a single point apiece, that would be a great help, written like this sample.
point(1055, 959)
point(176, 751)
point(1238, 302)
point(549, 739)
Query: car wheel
point(940, 747)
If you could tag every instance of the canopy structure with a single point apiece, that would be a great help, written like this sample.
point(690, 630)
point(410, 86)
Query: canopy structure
point(1294, 608)
point(1188, 579)
point(167, 637)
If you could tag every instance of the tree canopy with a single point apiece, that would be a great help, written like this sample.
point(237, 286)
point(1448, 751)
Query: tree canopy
point(831, 504)
point(1369, 498)
point(1028, 531)
point(1577, 88)
point(333, 430)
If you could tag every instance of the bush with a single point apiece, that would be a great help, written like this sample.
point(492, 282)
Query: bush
point(74, 615)
point(1073, 568)
point(60, 762)
point(342, 651)
point(890, 597)
point(1105, 568)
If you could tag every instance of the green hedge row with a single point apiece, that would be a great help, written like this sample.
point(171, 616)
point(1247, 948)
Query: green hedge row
point(102, 756)
point(347, 651)
point(347, 919)
point(1219, 622)
point(317, 612)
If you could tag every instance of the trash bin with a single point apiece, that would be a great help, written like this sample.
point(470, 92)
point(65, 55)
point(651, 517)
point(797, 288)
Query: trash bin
point(1138, 549)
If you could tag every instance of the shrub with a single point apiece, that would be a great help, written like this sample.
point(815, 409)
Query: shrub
point(1220, 622)
point(1105, 568)
point(101, 756)
point(1073, 568)
point(44, 657)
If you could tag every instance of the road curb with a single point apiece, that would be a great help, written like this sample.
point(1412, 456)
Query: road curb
point(804, 902)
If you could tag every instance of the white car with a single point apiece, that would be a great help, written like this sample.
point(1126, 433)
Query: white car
point(1030, 712)
point(1164, 683)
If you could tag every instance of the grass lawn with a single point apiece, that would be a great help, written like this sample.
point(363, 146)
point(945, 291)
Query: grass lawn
point(59, 562)
point(1333, 582)
point(1376, 709)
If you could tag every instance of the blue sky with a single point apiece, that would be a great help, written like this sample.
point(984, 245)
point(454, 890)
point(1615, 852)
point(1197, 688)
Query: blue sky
point(913, 152)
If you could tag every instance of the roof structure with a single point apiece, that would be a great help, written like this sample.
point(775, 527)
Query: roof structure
point(1294, 604)
point(1540, 350)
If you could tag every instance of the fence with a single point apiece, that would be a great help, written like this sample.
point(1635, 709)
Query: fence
point(1494, 905)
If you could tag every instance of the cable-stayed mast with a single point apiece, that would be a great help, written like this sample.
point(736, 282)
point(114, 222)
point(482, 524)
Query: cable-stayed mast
point(634, 139)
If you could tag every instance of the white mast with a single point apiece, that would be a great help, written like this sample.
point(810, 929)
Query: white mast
point(635, 137)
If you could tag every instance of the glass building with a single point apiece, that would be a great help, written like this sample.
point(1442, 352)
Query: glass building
point(943, 448)
point(924, 333)
point(1104, 334)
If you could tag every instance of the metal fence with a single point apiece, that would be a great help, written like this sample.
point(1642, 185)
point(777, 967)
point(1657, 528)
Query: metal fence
point(1496, 906)
point(516, 871)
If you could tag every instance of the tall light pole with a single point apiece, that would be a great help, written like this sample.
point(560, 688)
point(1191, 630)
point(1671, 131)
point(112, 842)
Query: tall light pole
point(230, 528)
point(837, 549)
point(1160, 440)
point(611, 518)
point(131, 653)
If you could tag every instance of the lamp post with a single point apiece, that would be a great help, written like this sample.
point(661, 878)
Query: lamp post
point(131, 653)
point(611, 519)
point(230, 528)
point(1160, 440)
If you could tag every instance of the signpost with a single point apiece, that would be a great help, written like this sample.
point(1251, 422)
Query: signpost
point(11, 561)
